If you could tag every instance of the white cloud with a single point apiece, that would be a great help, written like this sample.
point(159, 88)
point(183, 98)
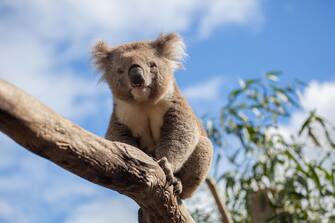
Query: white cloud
point(219, 12)
point(35, 190)
point(29, 64)
point(206, 91)
point(8, 156)
point(104, 211)
point(8, 214)
point(78, 24)
point(43, 46)
point(5, 209)
point(40, 39)
point(56, 194)
point(319, 96)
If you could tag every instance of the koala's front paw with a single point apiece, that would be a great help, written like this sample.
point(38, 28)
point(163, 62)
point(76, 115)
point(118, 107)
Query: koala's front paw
point(177, 186)
point(166, 166)
point(170, 178)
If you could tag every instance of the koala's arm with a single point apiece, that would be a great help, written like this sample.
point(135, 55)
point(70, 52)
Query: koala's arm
point(179, 136)
point(119, 132)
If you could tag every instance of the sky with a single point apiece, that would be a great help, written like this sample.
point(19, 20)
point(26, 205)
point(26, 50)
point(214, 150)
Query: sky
point(45, 50)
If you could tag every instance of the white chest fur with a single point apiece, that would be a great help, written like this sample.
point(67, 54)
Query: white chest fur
point(144, 121)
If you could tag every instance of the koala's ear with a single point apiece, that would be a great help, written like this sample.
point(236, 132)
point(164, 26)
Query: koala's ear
point(170, 46)
point(101, 55)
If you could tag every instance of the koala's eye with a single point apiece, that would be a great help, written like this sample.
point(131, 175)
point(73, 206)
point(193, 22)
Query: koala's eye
point(119, 71)
point(152, 64)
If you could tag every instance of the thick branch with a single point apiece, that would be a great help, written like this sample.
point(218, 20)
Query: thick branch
point(117, 166)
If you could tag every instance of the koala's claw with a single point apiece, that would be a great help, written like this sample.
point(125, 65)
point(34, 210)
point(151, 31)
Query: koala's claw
point(170, 178)
point(177, 186)
point(165, 165)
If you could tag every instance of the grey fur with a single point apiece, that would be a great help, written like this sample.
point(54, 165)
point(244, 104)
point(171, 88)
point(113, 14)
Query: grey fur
point(157, 119)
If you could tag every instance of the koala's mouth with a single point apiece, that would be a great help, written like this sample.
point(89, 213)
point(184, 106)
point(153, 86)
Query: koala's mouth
point(140, 92)
point(137, 85)
point(137, 88)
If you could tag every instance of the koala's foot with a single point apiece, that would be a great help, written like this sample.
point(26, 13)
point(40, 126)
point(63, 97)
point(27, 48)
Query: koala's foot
point(170, 178)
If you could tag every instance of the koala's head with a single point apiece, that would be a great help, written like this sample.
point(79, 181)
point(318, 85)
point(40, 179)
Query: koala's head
point(140, 71)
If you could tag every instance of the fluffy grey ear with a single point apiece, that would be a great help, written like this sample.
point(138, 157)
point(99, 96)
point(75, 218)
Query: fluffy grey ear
point(172, 47)
point(101, 55)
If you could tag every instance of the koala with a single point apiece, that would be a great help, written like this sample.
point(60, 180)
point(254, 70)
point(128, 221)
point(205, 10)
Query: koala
point(150, 112)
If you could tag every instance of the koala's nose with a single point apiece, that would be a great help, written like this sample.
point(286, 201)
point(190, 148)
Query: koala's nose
point(135, 74)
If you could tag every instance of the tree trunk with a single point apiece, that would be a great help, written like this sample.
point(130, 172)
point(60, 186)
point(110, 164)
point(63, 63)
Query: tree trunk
point(114, 165)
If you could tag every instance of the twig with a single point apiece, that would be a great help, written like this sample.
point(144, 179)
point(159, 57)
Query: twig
point(225, 215)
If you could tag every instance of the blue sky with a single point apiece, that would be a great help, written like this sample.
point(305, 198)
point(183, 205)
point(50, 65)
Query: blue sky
point(45, 50)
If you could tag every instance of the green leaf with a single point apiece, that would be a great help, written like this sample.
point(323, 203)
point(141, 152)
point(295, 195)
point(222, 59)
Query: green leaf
point(300, 188)
point(234, 94)
point(272, 75)
point(302, 180)
point(313, 137)
point(307, 122)
point(315, 178)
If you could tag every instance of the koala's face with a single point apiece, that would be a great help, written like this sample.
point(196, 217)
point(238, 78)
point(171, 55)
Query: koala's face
point(140, 71)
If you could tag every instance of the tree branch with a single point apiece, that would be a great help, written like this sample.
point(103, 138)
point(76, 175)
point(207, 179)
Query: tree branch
point(114, 165)
point(225, 215)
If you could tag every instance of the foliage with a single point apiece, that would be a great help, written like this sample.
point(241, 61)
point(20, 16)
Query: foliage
point(285, 177)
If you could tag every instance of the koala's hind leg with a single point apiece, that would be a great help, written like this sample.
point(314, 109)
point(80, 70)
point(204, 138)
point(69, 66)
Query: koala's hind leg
point(196, 168)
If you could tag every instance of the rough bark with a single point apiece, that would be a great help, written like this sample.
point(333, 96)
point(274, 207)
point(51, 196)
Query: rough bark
point(116, 166)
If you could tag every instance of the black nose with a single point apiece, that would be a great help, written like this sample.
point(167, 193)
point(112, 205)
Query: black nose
point(135, 74)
